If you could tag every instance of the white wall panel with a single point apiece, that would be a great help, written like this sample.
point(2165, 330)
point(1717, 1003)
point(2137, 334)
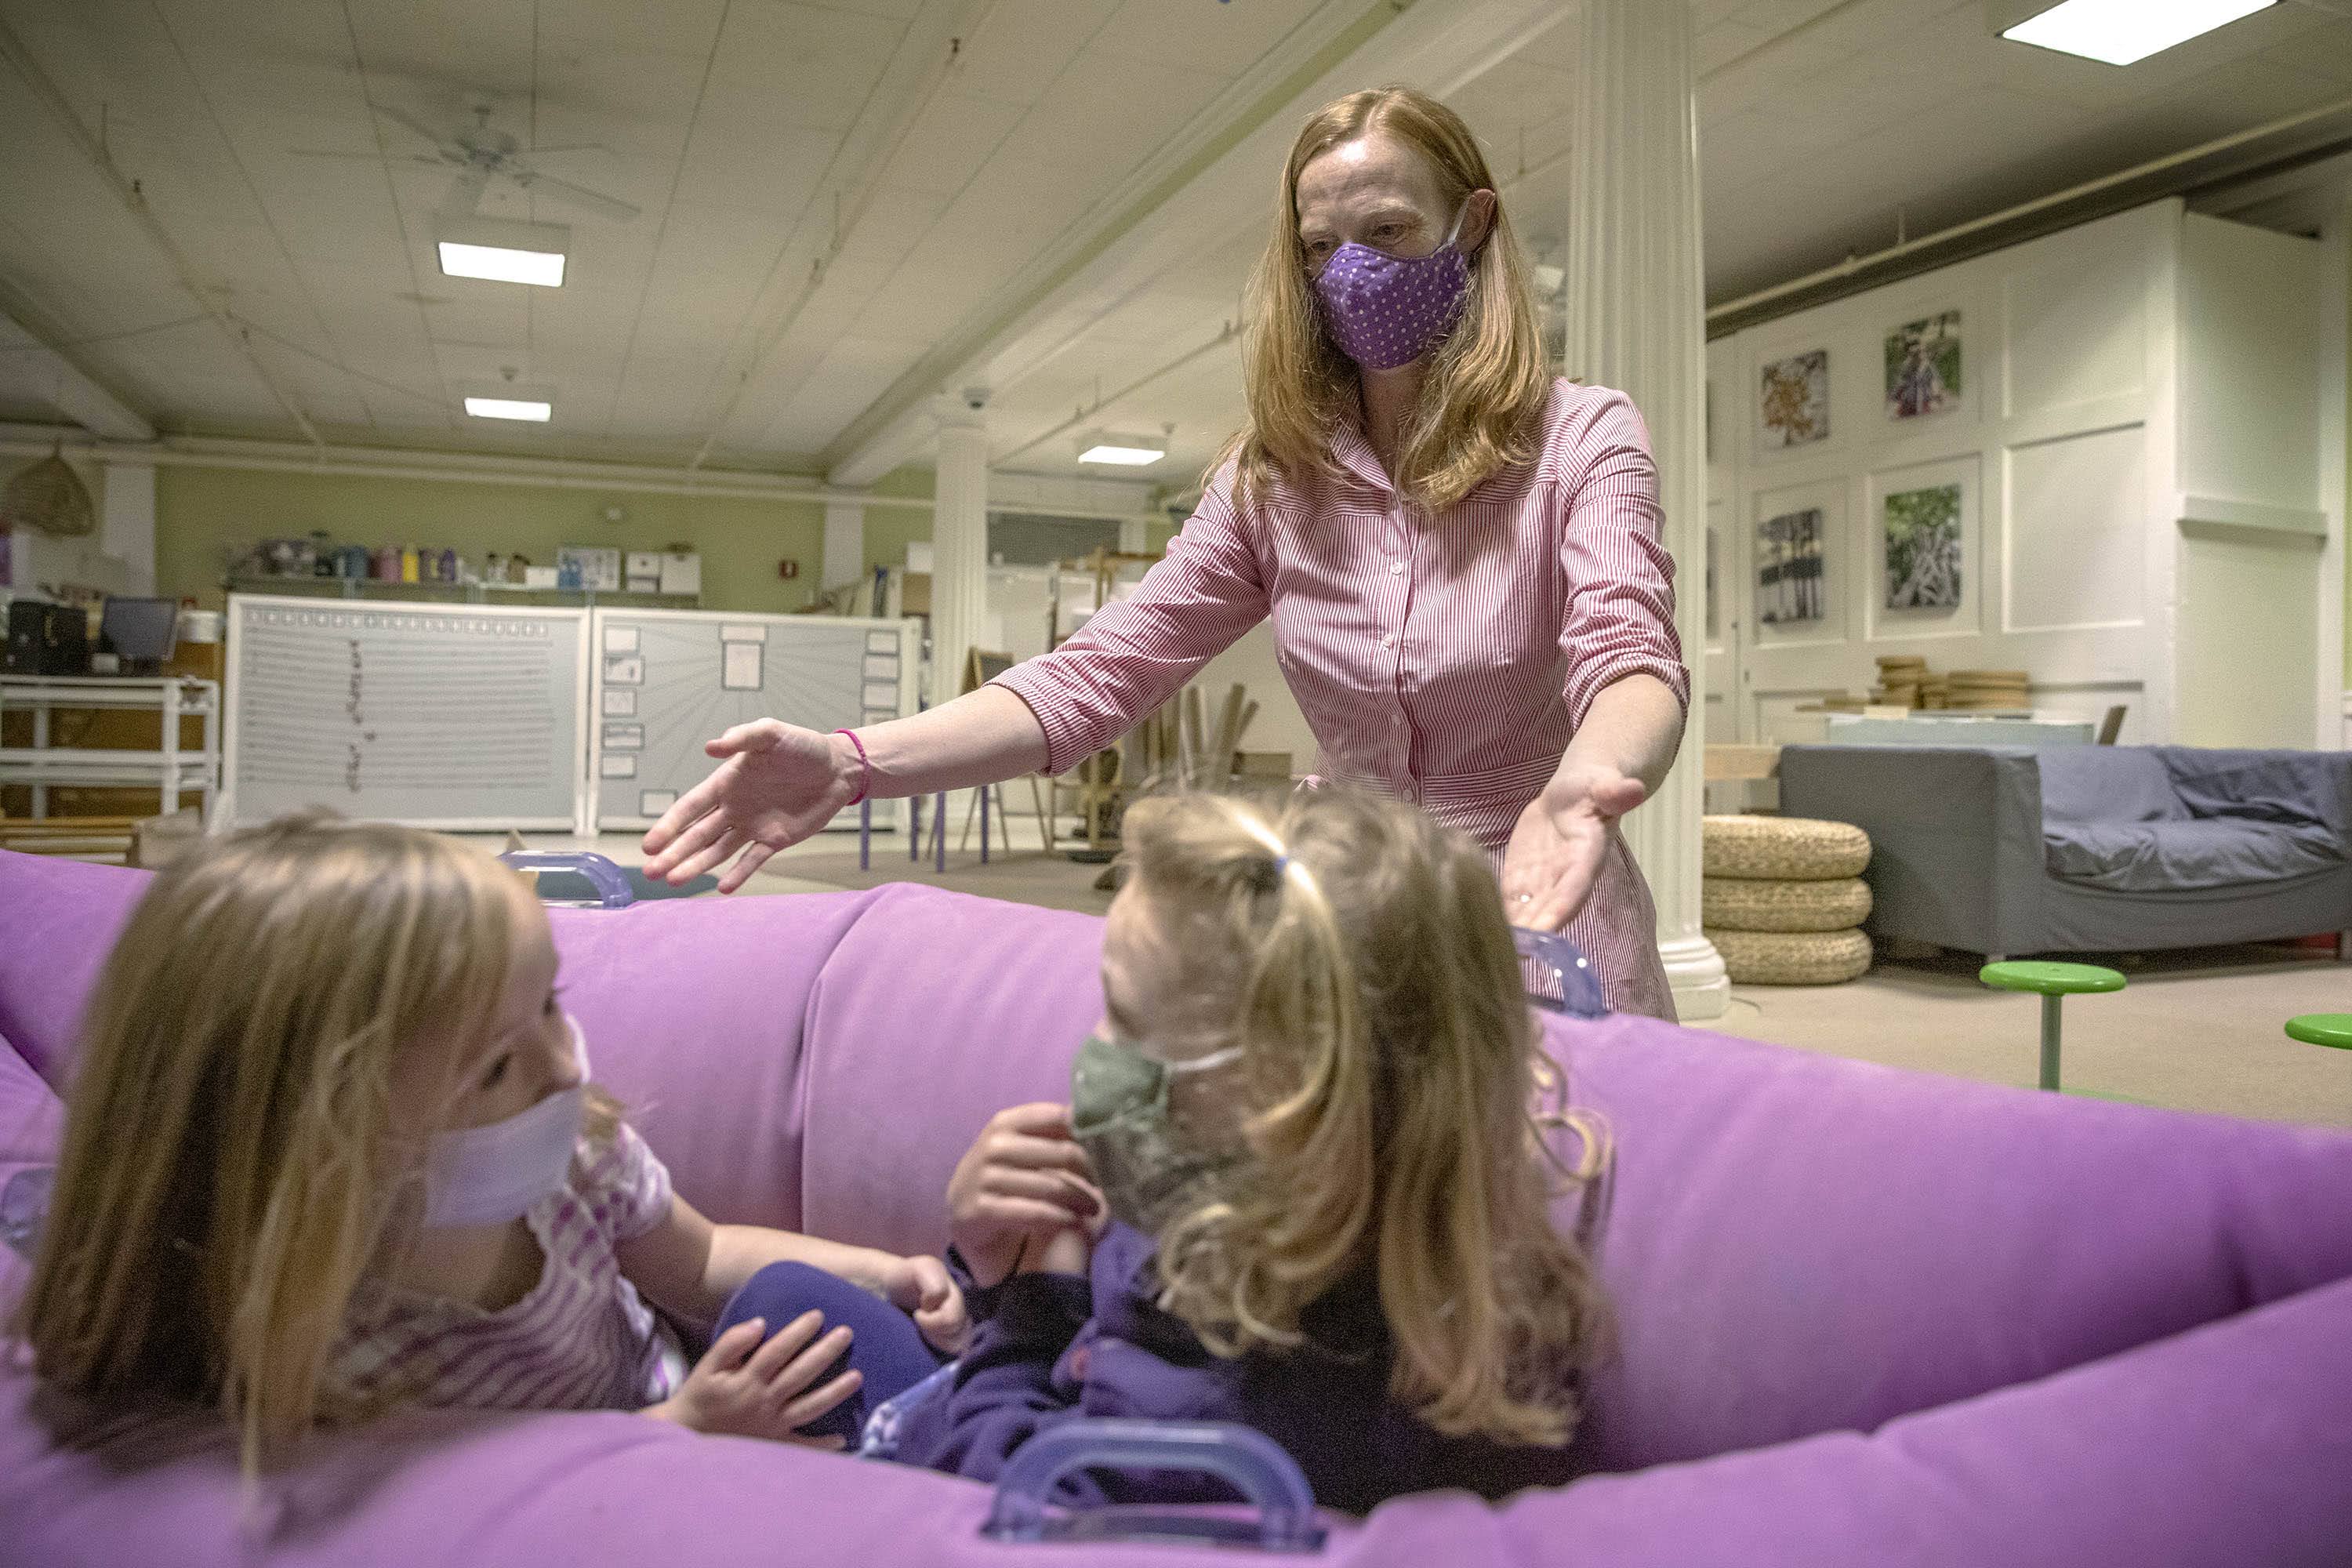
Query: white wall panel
point(2074, 556)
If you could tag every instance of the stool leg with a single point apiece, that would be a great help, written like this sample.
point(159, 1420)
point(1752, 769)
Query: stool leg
point(2049, 1041)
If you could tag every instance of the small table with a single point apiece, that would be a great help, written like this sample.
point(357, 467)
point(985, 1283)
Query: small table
point(2051, 981)
point(2322, 1029)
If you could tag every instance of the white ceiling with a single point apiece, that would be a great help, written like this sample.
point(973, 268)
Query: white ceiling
point(844, 203)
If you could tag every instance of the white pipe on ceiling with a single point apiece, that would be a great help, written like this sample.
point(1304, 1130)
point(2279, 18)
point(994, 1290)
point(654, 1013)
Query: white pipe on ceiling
point(476, 468)
point(1855, 265)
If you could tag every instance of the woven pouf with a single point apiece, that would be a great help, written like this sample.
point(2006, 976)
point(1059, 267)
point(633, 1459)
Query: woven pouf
point(1797, 848)
point(1792, 958)
point(1773, 903)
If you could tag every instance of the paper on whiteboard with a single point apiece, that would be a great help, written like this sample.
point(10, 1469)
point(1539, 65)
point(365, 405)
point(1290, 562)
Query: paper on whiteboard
point(879, 696)
point(654, 802)
point(743, 634)
point(624, 737)
point(881, 642)
point(620, 703)
point(620, 640)
point(618, 765)
point(742, 670)
point(628, 671)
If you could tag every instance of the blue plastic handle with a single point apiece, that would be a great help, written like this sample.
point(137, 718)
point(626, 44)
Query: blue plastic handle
point(1247, 1460)
point(1580, 988)
point(25, 1207)
point(611, 883)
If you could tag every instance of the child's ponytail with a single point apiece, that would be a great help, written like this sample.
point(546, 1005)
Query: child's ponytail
point(1389, 1050)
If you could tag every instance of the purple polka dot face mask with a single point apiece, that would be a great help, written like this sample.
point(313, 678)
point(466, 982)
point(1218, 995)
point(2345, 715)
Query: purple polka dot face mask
point(1388, 310)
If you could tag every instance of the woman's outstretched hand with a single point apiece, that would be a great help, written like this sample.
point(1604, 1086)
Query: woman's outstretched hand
point(775, 784)
point(1556, 850)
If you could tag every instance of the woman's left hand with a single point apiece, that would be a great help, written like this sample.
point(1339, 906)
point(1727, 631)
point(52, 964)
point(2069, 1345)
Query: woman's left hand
point(1555, 853)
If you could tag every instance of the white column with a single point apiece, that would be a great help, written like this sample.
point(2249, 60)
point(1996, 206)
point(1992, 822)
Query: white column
point(844, 542)
point(959, 543)
point(1636, 321)
point(127, 530)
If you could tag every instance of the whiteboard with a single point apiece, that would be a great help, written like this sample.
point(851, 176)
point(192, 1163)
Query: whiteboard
point(448, 716)
point(668, 680)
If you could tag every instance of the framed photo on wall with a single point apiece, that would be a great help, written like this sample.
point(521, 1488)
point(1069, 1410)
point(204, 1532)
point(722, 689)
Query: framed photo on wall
point(1797, 567)
point(1923, 367)
point(1927, 553)
point(1792, 406)
point(1790, 568)
point(1923, 559)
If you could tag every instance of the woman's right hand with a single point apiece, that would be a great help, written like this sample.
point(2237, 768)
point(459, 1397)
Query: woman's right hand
point(1024, 1181)
point(743, 1388)
point(775, 784)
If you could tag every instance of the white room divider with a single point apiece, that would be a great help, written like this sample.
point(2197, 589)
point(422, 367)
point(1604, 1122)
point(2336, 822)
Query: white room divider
point(2096, 457)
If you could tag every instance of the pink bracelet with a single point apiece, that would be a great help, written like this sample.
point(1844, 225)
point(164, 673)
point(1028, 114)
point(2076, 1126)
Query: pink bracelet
point(866, 779)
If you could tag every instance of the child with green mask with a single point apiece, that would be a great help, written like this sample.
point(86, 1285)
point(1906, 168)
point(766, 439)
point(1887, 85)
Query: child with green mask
point(1298, 1187)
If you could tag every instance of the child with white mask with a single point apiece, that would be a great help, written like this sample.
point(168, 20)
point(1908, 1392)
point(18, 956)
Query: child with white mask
point(370, 1171)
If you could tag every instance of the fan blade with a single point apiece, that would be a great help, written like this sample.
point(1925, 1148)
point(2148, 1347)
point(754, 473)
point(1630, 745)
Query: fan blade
point(465, 194)
point(402, 116)
point(580, 196)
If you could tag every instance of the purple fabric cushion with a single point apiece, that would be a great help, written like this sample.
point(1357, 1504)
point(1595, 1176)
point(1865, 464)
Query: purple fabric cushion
point(57, 921)
point(2075, 1333)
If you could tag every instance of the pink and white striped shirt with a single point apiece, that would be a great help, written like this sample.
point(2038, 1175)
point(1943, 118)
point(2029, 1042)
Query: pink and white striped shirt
point(1445, 658)
point(581, 1338)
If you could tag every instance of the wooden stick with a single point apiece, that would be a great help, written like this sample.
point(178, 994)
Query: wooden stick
point(1191, 735)
point(1221, 752)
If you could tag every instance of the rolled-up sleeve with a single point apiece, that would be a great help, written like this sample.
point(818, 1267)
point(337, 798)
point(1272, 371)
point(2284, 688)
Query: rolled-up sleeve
point(1136, 653)
point(1618, 616)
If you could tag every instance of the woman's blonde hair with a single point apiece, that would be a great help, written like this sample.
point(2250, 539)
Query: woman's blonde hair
point(1390, 1061)
point(1482, 403)
point(228, 1173)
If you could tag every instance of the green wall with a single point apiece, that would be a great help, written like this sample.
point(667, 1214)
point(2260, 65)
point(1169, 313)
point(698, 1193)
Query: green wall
point(204, 516)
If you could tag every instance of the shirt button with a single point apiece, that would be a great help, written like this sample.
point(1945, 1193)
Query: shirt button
point(1396, 568)
point(1389, 641)
point(1396, 720)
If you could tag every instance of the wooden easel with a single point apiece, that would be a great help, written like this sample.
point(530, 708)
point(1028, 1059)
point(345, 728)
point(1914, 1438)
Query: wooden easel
point(981, 667)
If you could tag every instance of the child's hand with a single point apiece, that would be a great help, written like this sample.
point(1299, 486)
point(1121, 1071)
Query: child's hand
point(923, 1286)
point(746, 1389)
point(1024, 1180)
point(1071, 1250)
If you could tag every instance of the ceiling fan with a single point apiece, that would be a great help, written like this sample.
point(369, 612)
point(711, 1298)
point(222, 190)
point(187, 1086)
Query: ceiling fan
point(480, 154)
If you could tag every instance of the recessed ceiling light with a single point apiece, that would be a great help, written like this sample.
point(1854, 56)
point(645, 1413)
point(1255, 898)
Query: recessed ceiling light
point(2117, 32)
point(533, 408)
point(505, 252)
point(1121, 451)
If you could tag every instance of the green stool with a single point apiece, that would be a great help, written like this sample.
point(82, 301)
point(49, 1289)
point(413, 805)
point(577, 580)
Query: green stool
point(2322, 1029)
point(2051, 982)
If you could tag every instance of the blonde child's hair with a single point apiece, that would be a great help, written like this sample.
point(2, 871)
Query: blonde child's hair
point(228, 1174)
point(1391, 1063)
point(1484, 397)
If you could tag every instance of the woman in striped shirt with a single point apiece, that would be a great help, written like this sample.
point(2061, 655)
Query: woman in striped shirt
point(1460, 555)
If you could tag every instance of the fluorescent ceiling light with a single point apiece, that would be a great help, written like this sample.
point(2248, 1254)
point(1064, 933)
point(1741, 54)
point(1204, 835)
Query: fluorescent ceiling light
point(2121, 31)
point(1120, 450)
point(505, 252)
point(531, 408)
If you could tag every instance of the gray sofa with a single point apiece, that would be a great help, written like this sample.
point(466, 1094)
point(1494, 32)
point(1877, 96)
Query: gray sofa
point(2004, 851)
